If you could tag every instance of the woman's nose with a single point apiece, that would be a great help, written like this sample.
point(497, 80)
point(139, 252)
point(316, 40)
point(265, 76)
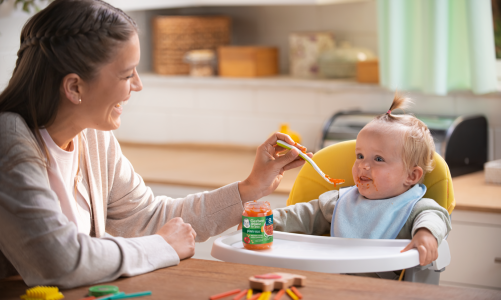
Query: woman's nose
point(136, 85)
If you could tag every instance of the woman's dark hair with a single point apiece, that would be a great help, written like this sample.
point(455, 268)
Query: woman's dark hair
point(68, 36)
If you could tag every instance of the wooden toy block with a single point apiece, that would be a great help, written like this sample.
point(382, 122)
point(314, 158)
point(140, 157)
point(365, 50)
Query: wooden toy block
point(272, 281)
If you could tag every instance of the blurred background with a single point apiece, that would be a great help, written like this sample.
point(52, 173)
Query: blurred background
point(220, 76)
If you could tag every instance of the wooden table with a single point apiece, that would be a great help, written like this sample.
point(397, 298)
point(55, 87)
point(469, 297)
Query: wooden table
point(199, 279)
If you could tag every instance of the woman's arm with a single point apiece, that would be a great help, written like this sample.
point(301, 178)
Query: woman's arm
point(133, 210)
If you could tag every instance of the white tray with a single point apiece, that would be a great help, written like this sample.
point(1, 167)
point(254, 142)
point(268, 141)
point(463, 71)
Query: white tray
point(326, 254)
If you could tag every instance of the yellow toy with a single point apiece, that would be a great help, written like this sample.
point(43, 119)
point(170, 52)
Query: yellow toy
point(43, 293)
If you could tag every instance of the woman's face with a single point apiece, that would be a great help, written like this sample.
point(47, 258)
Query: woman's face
point(103, 97)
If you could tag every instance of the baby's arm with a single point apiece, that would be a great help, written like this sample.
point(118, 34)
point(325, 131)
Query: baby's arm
point(312, 217)
point(430, 225)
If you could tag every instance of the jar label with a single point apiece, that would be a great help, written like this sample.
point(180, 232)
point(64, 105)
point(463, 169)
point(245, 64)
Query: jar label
point(257, 230)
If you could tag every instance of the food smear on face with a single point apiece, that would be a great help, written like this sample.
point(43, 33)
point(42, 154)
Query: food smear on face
point(335, 181)
point(257, 225)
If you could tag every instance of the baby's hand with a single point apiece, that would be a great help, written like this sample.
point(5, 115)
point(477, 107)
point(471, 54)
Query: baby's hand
point(426, 245)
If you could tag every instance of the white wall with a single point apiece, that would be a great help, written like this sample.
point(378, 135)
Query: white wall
point(11, 23)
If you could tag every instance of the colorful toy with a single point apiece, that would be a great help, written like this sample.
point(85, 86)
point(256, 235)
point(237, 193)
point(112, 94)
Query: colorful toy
point(291, 294)
point(279, 294)
point(240, 295)
point(43, 293)
point(270, 282)
point(225, 294)
point(101, 290)
point(298, 294)
point(256, 296)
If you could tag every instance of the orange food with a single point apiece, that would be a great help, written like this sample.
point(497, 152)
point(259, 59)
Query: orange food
point(334, 181)
point(300, 147)
point(257, 209)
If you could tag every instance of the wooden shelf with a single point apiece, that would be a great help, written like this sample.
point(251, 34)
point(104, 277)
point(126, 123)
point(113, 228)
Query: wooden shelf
point(131, 5)
point(258, 82)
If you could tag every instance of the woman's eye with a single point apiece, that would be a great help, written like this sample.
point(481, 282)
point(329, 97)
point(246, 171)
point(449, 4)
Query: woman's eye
point(360, 156)
point(130, 76)
point(379, 158)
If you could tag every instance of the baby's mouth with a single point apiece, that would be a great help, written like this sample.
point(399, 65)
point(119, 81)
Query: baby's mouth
point(365, 178)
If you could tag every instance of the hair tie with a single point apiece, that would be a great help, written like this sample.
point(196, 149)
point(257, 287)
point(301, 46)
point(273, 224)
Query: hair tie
point(388, 112)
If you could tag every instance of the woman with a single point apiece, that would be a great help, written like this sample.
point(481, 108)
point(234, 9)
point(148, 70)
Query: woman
point(72, 209)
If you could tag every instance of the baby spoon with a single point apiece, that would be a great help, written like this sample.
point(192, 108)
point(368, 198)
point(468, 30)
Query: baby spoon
point(311, 162)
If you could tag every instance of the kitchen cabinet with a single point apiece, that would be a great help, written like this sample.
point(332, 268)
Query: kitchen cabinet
point(475, 245)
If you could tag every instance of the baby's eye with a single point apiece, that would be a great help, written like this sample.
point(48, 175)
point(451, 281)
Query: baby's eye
point(379, 158)
point(360, 156)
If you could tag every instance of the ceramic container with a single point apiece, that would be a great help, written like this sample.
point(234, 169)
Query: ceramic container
point(305, 48)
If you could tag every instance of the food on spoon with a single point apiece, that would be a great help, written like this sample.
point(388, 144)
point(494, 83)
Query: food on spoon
point(335, 181)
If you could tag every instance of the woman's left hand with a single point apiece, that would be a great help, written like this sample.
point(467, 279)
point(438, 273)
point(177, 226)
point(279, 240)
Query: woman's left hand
point(426, 244)
point(269, 167)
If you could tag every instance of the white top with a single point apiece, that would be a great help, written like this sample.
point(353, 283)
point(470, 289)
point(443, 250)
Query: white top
point(63, 178)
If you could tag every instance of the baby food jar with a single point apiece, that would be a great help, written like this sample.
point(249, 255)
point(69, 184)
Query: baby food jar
point(257, 225)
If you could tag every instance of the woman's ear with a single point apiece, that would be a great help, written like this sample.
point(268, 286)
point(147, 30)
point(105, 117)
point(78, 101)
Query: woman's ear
point(71, 88)
point(414, 176)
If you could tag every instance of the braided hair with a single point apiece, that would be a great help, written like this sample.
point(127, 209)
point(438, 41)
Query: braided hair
point(68, 36)
point(418, 145)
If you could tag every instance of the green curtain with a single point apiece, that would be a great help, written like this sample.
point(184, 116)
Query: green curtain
point(437, 46)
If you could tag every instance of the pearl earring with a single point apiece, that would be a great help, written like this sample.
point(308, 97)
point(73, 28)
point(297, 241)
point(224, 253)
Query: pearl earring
point(79, 101)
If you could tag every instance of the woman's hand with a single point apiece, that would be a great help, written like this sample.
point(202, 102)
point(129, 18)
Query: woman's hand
point(269, 167)
point(426, 245)
point(180, 236)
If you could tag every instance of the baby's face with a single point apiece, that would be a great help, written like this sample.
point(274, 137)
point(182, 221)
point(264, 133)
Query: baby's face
point(379, 170)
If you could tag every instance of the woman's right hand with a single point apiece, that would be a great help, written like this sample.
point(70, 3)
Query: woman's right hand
point(269, 167)
point(181, 237)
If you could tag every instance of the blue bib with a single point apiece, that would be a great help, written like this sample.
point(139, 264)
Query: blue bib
point(358, 217)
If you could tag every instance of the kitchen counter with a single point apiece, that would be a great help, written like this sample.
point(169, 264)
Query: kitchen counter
point(213, 166)
point(474, 194)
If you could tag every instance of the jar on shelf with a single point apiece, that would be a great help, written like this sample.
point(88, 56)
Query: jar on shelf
point(341, 62)
point(304, 49)
point(257, 225)
point(202, 62)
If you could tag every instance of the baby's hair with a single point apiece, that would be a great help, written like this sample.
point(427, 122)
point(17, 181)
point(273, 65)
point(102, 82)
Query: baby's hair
point(418, 147)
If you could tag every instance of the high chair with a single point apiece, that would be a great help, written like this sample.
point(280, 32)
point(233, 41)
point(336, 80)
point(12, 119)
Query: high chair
point(337, 161)
point(343, 255)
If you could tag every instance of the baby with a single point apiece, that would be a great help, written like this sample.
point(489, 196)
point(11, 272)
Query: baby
point(393, 153)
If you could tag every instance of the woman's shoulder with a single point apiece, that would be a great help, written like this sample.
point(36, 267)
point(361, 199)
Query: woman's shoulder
point(14, 130)
point(13, 123)
point(17, 141)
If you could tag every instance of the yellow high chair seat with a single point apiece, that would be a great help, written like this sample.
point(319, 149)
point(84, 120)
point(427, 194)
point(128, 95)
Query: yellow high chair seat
point(337, 161)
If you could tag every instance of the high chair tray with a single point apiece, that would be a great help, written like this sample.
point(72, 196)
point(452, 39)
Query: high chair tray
point(325, 254)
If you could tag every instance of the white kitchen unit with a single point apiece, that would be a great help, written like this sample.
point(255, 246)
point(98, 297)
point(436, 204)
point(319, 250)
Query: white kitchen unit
point(475, 244)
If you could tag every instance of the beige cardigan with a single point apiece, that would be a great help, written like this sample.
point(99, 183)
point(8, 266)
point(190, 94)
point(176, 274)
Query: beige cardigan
point(38, 241)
